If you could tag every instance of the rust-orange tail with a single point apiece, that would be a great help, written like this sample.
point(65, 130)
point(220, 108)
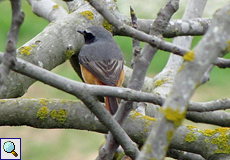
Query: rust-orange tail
point(111, 104)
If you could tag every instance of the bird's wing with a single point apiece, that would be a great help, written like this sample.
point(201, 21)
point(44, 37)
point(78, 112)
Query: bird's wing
point(108, 72)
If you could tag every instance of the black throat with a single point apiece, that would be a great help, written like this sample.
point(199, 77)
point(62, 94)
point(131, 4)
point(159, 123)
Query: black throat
point(89, 38)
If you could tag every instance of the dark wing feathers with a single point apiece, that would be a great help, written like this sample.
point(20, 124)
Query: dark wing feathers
point(103, 60)
point(108, 72)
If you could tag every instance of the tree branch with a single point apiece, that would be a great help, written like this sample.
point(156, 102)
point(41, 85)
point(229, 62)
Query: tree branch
point(69, 114)
point(222, 63)
point(48, 9)
point(135, 42)
point(152, 40)
point(220, 104)
point(177, 154)
point(219, 118)
point(174, 108)
point(9, 58)
point(176, 27)
point(167, 75)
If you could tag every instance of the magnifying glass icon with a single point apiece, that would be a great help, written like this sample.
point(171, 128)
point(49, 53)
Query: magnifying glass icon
point(9, 147)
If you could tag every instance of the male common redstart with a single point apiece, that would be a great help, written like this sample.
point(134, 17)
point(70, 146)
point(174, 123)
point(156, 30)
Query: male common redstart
point(102, 62)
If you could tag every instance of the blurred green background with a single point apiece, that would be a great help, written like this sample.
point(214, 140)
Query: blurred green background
point(72, 144)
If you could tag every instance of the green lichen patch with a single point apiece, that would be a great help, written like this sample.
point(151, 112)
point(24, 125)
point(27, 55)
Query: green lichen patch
point(107, 25)
point(43, 101)
point(148, 148)
point(189, 56)
point(63, 101)
point(59, 115)
point(191, 137)
point(190, 127)
point(220, 138)
point(69, 53)
point(42, 113)
point(206, 140)
point(55, 6)
point(208, 132)
point(119, 155)
point(173, 115)
point(181, 68)
point(227, 49)
point(141, 116)
point(25, 50)
point(170, 135)
point(146, 119)
point(160, 82)
point(88, 14)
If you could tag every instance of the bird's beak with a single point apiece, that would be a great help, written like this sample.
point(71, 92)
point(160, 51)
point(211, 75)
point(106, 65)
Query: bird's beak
point(82, 32)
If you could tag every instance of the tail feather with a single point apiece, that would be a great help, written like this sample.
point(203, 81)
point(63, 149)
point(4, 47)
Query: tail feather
point(111, 104)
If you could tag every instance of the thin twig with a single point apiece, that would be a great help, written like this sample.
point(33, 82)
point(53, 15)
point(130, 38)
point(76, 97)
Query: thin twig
point(136, 43)
point(178, 154)
point(222, 63)
point(9, 58)
point(152, 40)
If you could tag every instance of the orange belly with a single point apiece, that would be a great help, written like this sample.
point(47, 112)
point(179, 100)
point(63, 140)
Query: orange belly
point(91, 79)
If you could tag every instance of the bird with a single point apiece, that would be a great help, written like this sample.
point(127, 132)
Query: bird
point(101, 61)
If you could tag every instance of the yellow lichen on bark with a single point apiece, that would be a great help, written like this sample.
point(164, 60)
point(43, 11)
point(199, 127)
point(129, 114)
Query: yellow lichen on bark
point(173, 115)
point(189, 56)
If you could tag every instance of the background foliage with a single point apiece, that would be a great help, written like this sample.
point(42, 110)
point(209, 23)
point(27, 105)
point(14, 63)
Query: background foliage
point(65, 144)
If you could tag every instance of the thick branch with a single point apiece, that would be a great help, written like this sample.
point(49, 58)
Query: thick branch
point(219, 118)
point(176, 27)
point(182, 27)
point(56, 113)
point(52, 47)
point(48, 9)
